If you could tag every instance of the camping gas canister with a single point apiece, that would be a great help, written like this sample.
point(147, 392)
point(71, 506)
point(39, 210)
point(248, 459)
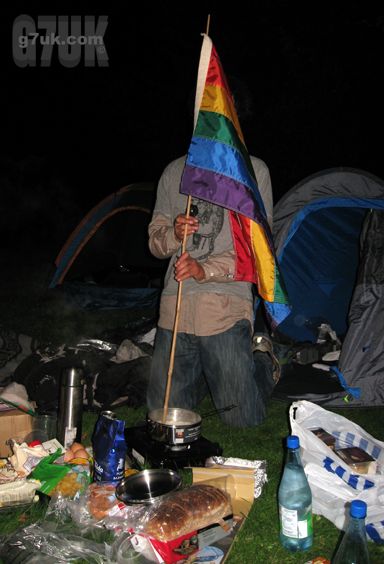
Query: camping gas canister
point(109, 448)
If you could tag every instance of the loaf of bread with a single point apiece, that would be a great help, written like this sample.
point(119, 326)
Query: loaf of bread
point(187, 510)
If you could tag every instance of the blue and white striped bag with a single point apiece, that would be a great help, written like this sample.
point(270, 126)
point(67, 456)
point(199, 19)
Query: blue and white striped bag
point(333, 483)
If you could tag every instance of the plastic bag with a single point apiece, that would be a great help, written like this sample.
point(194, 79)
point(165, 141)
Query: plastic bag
point(34, 544)
point(334, 483)
point(18, 492)
point(74, 483)
point(49, 474)
point(98, 506)
point(25, 458)
point(133, 547)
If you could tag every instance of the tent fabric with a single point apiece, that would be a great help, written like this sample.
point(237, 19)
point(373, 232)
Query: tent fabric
point(93, 235)
point(105, 262)
point(329, 239)
point(91, 297)
point(317, 227)
point(361, 362)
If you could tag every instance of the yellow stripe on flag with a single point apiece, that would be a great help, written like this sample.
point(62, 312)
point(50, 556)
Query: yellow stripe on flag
point(216, 99)
point(265, 262)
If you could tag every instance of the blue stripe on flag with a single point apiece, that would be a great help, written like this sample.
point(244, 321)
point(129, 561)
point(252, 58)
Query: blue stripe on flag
point(276, 312)
point(225, 160)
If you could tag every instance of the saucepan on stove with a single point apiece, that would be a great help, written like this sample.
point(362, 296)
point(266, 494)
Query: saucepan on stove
point(181, 426)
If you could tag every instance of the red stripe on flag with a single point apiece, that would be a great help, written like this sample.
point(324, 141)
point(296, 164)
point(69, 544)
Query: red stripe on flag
point(245, 269)
point(215, 73)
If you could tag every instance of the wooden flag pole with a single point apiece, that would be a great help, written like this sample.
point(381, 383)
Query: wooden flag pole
point(176, 323)
point(208, 23)
point(178, 303)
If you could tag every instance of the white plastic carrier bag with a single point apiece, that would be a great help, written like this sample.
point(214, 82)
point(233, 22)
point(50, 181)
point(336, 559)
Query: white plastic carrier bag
point(334, 484)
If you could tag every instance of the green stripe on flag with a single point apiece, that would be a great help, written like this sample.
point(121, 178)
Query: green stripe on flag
point(217, 127)
point(280, 292)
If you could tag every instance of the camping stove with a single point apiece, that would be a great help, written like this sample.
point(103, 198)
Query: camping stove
point(143, 450)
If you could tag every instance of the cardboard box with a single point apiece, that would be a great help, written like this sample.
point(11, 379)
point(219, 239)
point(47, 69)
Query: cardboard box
point(240, 484)
point(359, 460)
point(14, 424)
point(185, 546)
point(324, 436)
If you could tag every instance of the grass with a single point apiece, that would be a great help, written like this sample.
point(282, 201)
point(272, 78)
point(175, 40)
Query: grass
point(45, 315)
point(258, 538)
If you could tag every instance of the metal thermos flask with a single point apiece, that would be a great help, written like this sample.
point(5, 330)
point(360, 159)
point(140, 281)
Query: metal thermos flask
point(70, 406)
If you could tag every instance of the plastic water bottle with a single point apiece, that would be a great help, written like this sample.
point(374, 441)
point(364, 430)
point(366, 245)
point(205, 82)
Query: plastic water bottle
point(353, 548)
point(295, 501)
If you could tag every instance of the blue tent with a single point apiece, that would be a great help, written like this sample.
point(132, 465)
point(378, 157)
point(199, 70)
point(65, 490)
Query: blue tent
point(329, 244)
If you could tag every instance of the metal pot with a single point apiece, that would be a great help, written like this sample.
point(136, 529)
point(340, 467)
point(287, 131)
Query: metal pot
point(181, 426)
point(148, 486)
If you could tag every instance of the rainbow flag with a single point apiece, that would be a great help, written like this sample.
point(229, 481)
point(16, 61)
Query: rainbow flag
point(218, 169)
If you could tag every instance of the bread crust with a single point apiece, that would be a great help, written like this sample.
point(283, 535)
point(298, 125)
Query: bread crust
point(187, 510)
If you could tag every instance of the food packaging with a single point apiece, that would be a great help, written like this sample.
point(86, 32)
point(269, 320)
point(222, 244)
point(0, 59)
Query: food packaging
point(13, 424)
point(18, 492)
point(324, 436)
point(26, 458)
point(359, 460)
point(198, 521)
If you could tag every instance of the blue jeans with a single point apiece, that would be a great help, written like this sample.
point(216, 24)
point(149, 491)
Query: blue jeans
point(222, 365)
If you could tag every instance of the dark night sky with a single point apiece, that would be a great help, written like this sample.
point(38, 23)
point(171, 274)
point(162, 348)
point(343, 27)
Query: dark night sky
point(75, 135)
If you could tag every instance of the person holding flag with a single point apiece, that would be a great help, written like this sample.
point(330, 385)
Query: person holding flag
point(229, 252)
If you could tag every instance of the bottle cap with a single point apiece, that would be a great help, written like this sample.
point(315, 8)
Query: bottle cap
point(293, 441)
point(358, 509)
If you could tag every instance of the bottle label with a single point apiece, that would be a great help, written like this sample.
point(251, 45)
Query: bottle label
point(292, 526)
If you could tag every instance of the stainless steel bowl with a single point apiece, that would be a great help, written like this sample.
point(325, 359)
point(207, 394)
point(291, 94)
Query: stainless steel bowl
point(148, 486)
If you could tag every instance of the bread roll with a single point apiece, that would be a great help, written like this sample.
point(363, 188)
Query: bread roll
point(187, 510)
point(101, 499)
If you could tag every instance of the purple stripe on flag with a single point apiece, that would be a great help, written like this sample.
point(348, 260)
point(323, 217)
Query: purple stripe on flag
point(220, 190)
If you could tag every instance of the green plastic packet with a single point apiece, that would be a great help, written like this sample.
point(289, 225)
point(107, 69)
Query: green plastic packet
point(49, 474)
